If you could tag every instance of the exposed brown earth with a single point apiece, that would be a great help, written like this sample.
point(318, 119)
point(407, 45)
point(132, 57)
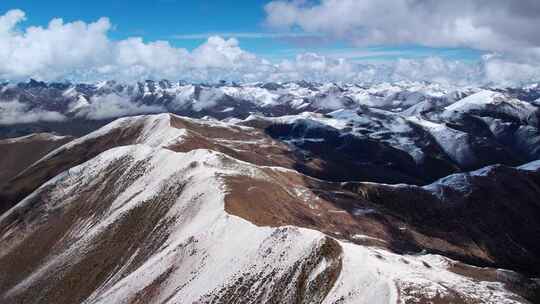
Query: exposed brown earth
point(498, 215)
point(44, 231)
point(17, 155)
point(293, 287)
point(285, 199)
point(133, 238)
point(252, 145)
point(494, 224)
point(34, 176)
point(405, 219)
point(410, 219)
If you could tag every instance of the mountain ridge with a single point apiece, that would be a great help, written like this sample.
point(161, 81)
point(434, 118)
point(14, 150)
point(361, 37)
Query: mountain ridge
point(186, 217)
point(399, 198)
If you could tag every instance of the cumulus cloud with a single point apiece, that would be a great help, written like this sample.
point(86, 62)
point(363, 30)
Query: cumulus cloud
point(52, 51)
point(84, 51)
point(15, 112)
point(246, 35)
point(317, 67)
point(136, 59)
point(494, 25)
point(220, 53)
point(436, 69)
point(208, 97)
point(508, 73)
point(113, 105)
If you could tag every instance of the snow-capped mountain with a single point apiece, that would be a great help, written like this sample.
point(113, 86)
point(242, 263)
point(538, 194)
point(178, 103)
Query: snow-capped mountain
point(86, 101)
point(269, 193)
point(168, 209)
point(429, 124)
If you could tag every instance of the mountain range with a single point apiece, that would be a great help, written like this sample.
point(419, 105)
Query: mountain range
point(170, 192)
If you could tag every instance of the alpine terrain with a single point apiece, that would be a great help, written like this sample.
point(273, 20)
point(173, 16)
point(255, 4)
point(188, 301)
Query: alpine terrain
point(291, 192)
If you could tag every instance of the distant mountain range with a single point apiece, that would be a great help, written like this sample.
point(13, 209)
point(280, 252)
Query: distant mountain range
point(87, 101)
point(409, 132)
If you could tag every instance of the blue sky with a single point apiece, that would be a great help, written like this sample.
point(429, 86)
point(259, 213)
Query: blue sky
point(154, 19)
point(458, 41)
point(187, 23)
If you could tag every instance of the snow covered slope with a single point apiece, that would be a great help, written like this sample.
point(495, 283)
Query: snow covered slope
point(429, 130)
point(111, 99)
point(19, 153)
point(164, 209)
point(497, 102)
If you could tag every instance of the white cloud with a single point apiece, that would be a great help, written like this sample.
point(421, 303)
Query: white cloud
point(436, 69)
point(14, 112)
point(85, 52)
point(113, 105)
point(311, 66)
point(246, 35)
point(208, 97)
point(492, 25)
point(148, 58)
point(501, 72)
point(51, 51)
point(217, 52)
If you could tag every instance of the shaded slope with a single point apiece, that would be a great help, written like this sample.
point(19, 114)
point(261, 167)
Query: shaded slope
point(19, 153)
point(140, 224)
point(160, 219)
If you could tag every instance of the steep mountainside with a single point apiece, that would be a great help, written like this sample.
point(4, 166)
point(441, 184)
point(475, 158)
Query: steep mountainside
point(19, 153)
point(168, 209)
point(406, 132)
